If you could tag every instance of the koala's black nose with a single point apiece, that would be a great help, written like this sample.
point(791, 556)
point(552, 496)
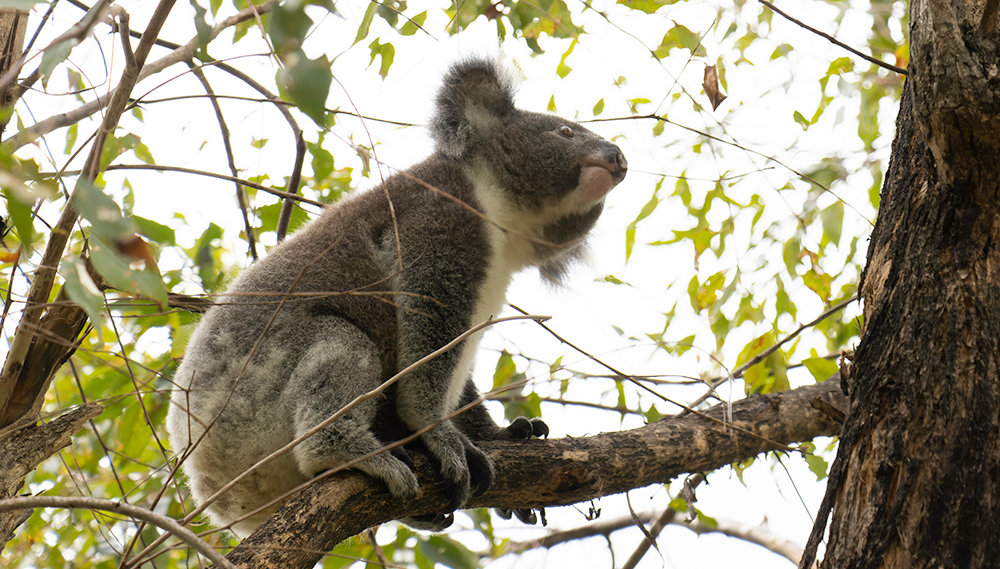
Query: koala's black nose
point(621, 164)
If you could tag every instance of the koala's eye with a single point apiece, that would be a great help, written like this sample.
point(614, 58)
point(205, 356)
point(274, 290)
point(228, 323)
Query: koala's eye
point(566, 131)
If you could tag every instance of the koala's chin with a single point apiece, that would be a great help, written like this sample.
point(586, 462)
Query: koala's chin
point(378, 281)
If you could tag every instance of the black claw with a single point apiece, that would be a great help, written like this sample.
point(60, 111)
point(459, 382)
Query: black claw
point(526, 516)
point(523, 428)
point(430, 522)
point(400, 453)
point(539, 428)
point(480, 471)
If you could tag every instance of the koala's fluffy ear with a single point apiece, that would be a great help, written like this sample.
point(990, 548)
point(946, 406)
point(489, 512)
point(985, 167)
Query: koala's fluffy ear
point(476, 97)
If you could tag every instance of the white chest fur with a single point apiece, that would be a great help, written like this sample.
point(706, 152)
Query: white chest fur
point(510, 252)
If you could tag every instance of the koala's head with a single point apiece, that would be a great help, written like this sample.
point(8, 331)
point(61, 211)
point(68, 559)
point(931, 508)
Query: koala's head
point(550, 168)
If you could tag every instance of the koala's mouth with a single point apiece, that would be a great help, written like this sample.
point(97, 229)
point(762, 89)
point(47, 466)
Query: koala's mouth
point(598, 177)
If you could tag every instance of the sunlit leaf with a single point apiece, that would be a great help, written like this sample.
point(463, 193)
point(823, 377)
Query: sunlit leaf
point(820, 368)
point(306, 82)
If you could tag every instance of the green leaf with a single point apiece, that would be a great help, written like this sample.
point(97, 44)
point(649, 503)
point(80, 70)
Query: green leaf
point(270, 213)
point(653, 414)
point(803, 122)
point(820, 368)
point(562, 70)
point(768, 375)
point(366, 22)
point(101, 211)
point(680, 37)
point(288, 27)
point(71, 134)
point(647, 6)
point(703, 295)
point(781, 51)
point(599, 108)
point(681, 346)
point(645, 212)
point(130, 442)
point(384, 50)
point(156, 232)
point(117, 269)
point(202, 28)
point(448, 552)
point(818, 282)
point(817, 464)
point(833, 222)
point(410, 27)
point(142, 153)
point(21, 214)
point(53, 56)
point(82, 290)
point(739, 468)
point(505, 371)
point(322, 162)
point(614, 280)
point(791, 254)
point(306, 82)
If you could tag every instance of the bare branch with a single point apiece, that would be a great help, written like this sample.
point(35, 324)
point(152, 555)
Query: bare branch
point(540, 473)
point(163, 522)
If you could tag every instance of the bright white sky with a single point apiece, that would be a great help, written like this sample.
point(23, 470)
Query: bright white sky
point(758, 114)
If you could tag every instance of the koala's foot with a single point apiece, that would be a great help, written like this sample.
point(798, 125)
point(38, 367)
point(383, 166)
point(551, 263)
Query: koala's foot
point(466, 469)
point(430, 522)
point(395, 473)
point(525, 515)
point(523, 428)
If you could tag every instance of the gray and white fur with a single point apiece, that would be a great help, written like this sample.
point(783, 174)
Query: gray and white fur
point(260, 376)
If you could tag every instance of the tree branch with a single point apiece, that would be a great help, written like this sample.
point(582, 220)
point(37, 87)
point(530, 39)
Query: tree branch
point(835, 41)
point(535, 474)
point(161, 521)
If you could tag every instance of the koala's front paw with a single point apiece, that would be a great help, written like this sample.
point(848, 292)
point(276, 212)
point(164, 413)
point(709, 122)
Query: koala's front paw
point(523, 428)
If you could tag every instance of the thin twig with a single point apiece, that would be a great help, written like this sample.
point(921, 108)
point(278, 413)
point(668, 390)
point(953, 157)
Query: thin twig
point(835, 41)
point(183, 53)
point(160, 521)
point(241, 195)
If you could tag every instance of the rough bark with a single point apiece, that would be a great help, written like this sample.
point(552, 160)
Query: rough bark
point(546, 473)
point(24, 450)
point(13, 25)
point(916, 482)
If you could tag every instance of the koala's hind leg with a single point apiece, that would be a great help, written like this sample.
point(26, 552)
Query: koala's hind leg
point(477, 424)
point(341, 364)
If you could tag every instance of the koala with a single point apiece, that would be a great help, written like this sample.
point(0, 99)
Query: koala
point(379, 280)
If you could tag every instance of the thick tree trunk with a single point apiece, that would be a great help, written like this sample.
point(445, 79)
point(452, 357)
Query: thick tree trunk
point(916, 482)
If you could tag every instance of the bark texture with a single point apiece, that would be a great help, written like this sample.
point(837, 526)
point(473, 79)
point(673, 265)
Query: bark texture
point(916, 482)
point(546, 473)
point(25, 449)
